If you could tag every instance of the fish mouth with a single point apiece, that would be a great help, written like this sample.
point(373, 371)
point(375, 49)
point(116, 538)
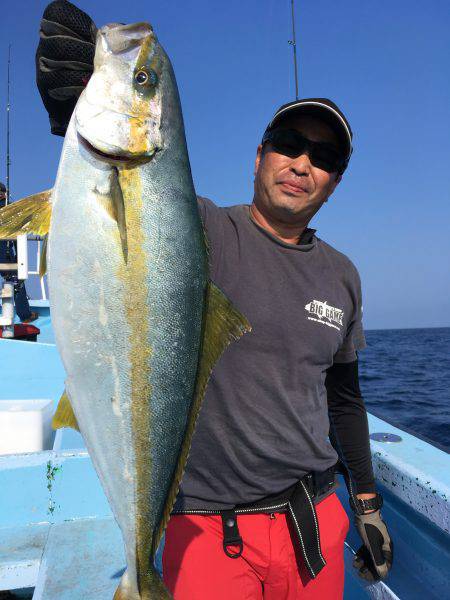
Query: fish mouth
point(116, 159)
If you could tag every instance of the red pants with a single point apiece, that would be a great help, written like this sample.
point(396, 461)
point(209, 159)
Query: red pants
point(195, 566)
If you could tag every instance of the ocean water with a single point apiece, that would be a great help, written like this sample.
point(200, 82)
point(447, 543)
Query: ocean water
point(405, 379)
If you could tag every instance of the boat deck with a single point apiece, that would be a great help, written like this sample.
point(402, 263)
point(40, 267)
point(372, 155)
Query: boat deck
point(59, 539)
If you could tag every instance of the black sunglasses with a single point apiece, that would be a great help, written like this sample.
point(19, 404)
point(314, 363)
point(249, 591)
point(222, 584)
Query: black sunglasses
point(292, 143)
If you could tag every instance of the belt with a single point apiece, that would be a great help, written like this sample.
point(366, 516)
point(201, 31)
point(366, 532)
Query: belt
point(298, 502)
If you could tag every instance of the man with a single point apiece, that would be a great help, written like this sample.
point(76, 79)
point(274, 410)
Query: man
point(257, 516)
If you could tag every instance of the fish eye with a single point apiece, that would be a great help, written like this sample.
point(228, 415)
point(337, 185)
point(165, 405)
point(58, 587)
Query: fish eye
point(143, 77)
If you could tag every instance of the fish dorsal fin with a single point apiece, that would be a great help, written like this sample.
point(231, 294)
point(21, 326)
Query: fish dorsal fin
point(30, 215)
point(64, 415)
point(222, 324)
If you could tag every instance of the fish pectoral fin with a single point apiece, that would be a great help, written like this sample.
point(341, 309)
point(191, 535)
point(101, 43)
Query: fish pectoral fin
point(30, 215)
point(119, 211)
point(113, 203)
point(64, 415)
point(222, 323)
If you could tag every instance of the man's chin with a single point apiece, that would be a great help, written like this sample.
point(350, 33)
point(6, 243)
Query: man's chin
point(290, 211)
point(288, 206)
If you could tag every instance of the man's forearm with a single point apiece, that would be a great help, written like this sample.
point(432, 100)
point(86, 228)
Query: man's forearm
point(349, 431)
point(349, 434)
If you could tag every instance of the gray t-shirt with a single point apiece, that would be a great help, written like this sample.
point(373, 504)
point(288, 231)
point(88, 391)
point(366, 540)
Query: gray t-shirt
point(264, 421)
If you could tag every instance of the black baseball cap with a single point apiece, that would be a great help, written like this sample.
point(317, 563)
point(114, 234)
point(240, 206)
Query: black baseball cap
point(323, 109)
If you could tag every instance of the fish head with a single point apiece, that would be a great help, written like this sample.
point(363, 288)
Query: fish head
point(118, 116)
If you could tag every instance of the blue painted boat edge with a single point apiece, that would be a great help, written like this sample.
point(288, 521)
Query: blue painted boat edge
point(414, 471)
point(33, 459)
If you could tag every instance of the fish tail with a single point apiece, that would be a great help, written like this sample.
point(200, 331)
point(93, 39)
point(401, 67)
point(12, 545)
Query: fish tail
point(152, 588)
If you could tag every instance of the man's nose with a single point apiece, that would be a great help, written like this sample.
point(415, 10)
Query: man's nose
point(301, 165)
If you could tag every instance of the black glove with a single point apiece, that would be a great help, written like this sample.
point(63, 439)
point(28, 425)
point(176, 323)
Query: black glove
point(374, 559)
point(64, 60)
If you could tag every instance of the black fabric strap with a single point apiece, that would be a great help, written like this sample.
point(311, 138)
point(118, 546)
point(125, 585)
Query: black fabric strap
point(302, 514)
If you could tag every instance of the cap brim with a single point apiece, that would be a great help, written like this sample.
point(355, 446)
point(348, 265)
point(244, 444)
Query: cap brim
point(322, 111)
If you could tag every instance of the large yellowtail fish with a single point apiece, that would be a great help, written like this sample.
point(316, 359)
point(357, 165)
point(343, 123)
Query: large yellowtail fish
point(137, 322)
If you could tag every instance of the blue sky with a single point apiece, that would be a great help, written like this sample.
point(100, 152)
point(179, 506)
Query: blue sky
point(385, 64)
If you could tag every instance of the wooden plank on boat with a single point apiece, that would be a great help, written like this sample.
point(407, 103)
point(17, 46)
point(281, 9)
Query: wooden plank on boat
point(21, 550)
point(82, 559)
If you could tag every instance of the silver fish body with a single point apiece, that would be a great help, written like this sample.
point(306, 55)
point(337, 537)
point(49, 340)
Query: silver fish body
point(127, 266)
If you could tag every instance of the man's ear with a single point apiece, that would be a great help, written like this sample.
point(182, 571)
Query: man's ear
point(258, 158)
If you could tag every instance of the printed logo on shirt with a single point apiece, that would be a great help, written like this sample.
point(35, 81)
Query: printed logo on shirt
point(322, 312)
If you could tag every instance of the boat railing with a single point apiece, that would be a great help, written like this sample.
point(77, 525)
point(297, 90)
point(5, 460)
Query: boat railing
point(18, 270)
point(39, 241)
point(21, 265)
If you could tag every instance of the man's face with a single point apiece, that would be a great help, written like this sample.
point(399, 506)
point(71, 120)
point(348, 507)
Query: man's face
point(290, 189)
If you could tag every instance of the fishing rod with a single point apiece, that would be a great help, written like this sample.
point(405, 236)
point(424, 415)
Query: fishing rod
point(8, 110)
point(293, 43)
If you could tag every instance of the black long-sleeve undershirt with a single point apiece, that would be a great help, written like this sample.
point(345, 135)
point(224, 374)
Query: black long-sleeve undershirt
point(349, 430)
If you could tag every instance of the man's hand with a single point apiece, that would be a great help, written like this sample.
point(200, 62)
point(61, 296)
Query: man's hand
point(374, 559)
point(64, 60)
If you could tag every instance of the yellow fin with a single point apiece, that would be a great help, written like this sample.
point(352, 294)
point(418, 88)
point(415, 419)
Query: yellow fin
point(64, 415)
point(43, 259)
point(30, 215)
point(222, 324)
